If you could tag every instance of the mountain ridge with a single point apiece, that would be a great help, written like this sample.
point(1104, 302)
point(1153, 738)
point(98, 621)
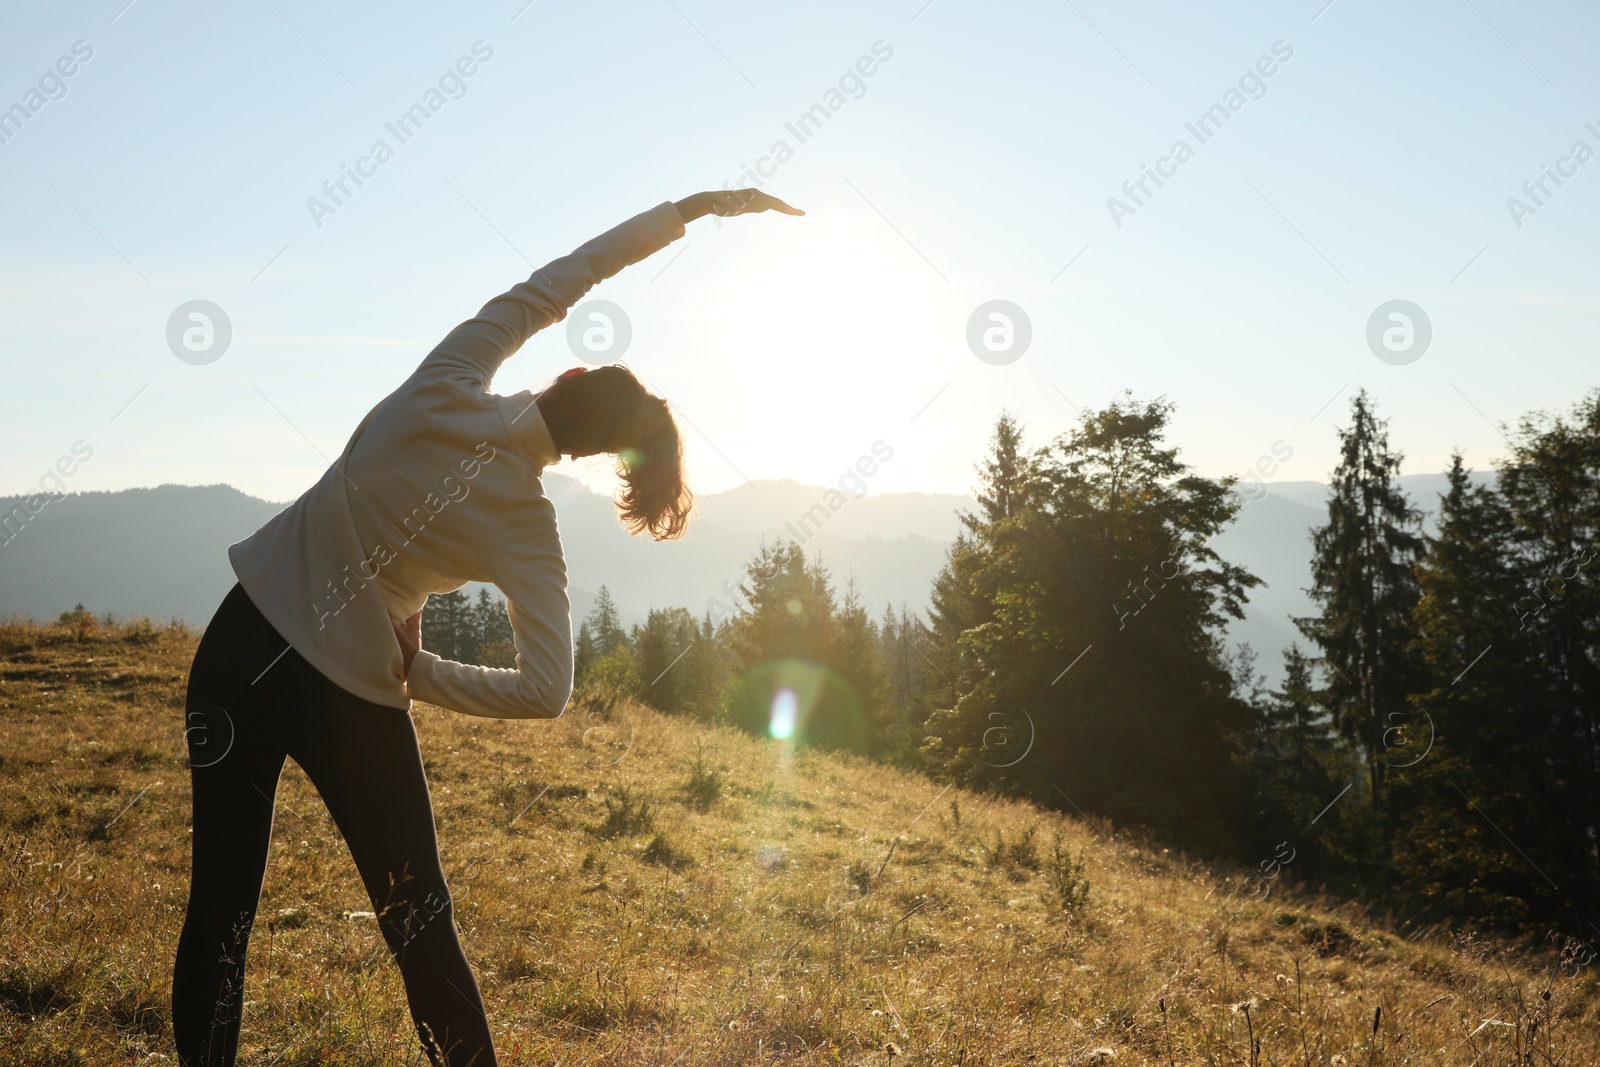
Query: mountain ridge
point(161, 551)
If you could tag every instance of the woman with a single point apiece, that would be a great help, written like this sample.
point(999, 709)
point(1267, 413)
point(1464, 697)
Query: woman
point(307, 657)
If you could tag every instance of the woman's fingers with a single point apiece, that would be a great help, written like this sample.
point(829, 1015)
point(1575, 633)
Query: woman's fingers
point(409, 634)
point(774, 204)
point(747, 201)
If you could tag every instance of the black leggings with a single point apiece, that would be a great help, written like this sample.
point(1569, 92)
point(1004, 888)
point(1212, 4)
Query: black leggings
point(250, 705)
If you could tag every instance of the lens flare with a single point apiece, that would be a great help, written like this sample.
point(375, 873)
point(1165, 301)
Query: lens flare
point(785, 712)
point(799, 702)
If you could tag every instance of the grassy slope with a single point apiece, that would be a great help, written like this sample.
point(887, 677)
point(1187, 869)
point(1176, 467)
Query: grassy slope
point(743, 936)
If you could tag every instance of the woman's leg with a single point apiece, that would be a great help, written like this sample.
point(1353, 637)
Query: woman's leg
point(235, 762)
point(364, 760)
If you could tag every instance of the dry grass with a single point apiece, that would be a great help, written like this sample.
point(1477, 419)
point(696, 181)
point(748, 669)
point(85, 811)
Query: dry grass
point(646, 891)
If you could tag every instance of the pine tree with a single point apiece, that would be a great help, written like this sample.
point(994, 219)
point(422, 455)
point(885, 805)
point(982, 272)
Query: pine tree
point(448, 628)
point(858, 661)
point(1364, 582)
point(1296, 758)
point(662, 646)
point(956, 608)
point(1551, 486)
point(902, 644)
point(805, 666)
point(706, 673)
point(606, 625)
point(1477, 745)
point(496, 644)
point(1069, 546)
point(1002, 476)
point(957, 605)
point(584, 653)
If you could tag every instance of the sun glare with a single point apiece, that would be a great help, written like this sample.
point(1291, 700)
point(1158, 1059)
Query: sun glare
point(827, 323)
point(785, 713)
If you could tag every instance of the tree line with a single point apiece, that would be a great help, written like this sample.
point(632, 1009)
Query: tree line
point(1433, 745)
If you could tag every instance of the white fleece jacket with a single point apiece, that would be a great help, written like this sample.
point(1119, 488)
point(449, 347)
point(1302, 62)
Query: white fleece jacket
point(440, 485)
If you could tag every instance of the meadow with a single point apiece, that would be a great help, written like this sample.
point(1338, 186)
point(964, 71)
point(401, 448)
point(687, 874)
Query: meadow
point(640, 889)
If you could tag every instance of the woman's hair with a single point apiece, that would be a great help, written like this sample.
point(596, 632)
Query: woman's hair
point(607, 410)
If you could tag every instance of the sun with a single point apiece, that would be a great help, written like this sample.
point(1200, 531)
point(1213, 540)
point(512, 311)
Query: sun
point(832, 321)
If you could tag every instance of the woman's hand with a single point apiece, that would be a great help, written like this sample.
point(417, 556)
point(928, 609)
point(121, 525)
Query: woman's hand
point(725, 202)
point(409, 634)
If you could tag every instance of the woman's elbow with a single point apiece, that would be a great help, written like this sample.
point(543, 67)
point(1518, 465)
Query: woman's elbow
point(541, 700)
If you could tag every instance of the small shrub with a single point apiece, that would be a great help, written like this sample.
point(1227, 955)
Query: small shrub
point(1015, 856)
point(861, 875)
point(518, 963)
point(80, 620)
point(140, 1011)
point(626, 815)
point(1329, 937)
point(30, 995)
point(705, 782)
point(608, 683)
point(140, 632)
point(1067, 878)
point(661, 852)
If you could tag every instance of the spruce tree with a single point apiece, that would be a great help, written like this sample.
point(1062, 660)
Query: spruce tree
point(1551, 486)
point(1295, 755)
point(1476, 745)
point(496, 644)
point(448, 628)
point(662, 646)
point(605, 625)
point(584, 653)
point(1363, 579)
point(1131, 717)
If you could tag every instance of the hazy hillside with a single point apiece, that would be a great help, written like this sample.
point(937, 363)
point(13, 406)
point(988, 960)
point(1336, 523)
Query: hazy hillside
point(647, 891)
point(162, 552)
point(158, 552)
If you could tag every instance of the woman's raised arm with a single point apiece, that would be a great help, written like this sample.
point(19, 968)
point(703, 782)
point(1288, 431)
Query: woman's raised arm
point(472, 352)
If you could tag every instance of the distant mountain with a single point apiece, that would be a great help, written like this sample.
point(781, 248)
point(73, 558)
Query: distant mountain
point(163, 552)
point(159, 552)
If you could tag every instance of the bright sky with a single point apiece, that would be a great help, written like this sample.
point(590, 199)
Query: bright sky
point(973, 164)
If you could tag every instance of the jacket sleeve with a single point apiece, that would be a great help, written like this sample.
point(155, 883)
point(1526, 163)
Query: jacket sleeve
point(472, 352)
point(532, 573)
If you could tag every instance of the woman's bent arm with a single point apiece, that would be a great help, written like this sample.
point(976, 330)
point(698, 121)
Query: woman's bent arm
point(529, 568)
point(472, 352)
